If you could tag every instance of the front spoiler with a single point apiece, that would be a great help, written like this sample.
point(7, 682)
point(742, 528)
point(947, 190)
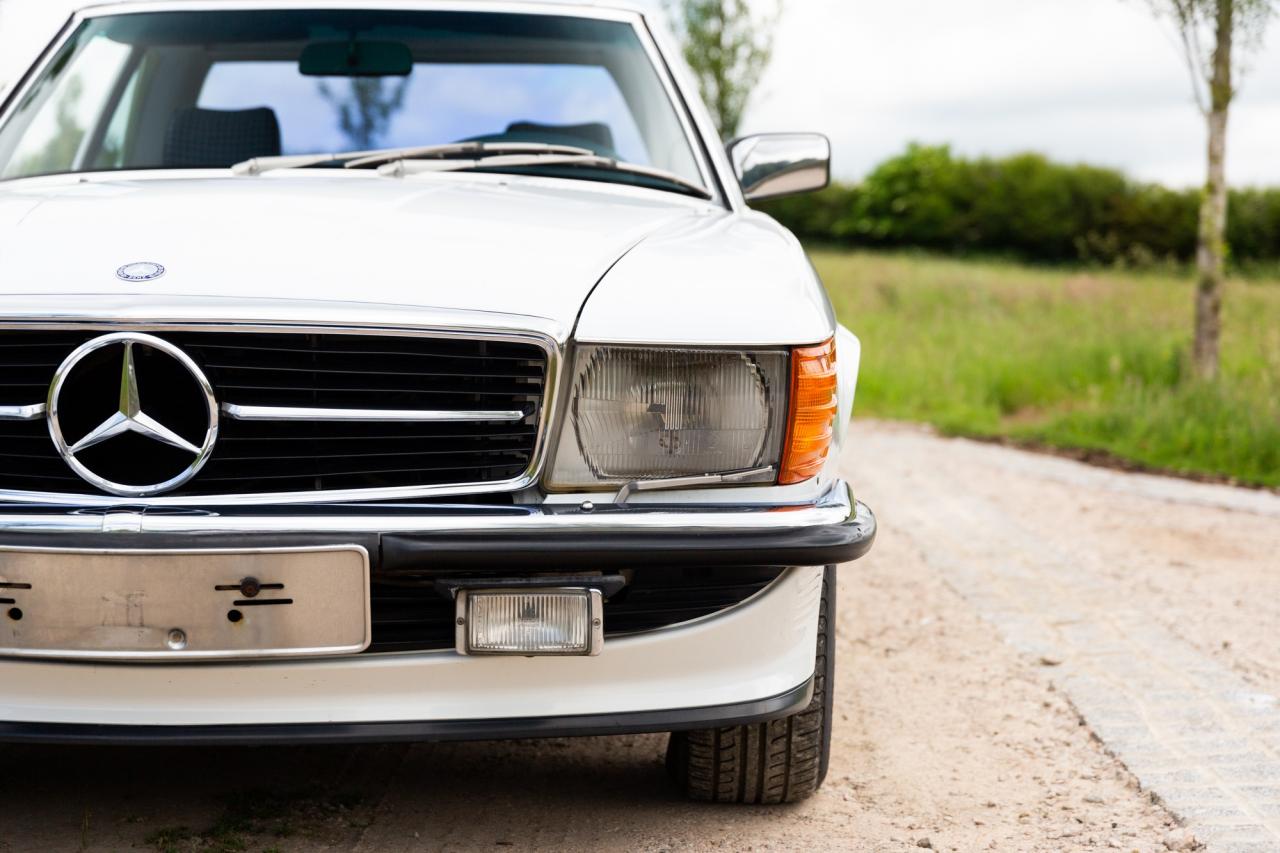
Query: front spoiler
point(577, 725)
point(831, 529)
point(730, 666)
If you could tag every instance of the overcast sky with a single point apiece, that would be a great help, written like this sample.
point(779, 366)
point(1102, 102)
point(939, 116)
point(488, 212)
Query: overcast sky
point(1082, 80)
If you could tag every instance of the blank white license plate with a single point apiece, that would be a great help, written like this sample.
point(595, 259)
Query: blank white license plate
point(183, 604)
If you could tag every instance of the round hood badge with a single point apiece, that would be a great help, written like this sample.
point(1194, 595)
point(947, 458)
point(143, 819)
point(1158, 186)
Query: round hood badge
point(140, 271)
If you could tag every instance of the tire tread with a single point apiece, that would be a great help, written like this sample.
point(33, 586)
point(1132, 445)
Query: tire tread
point(776, 761)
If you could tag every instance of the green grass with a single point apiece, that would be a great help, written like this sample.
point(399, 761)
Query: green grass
point(1087, 360)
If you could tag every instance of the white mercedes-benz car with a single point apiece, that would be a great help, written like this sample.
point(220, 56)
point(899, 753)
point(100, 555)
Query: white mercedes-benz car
point(412, 369)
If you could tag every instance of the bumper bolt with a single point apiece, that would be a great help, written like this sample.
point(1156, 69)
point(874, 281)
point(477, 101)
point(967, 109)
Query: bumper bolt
point(177, 639)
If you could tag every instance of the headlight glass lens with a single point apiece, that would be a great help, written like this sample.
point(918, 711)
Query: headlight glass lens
point(641, 413)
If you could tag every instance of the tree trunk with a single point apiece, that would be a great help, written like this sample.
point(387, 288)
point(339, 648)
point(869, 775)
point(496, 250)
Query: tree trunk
point(1211, 251)
point(724, 120)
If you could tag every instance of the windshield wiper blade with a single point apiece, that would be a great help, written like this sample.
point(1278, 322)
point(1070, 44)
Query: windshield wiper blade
point(378, 156)
point(464, 149)
point(258, 165)
point(402, 167)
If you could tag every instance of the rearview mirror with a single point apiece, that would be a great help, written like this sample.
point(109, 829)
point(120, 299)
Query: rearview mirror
point(356, 59)
point(771, 165)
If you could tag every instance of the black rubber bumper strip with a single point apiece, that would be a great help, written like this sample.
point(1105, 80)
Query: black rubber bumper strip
point(822, 545)
point(426, 730)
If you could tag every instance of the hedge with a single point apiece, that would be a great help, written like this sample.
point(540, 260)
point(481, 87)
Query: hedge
point(1025, 206)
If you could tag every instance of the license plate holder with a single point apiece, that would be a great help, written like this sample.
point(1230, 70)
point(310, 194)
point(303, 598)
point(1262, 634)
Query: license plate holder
point(183, 604)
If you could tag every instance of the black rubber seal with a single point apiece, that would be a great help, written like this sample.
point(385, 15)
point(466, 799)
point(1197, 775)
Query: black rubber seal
point(427, 730)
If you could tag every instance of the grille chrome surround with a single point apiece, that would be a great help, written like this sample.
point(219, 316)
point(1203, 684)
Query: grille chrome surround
point(547, 409)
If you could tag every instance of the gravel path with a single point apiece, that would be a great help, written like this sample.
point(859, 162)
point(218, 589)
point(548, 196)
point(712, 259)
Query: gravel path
point(1152, 602)
point(1036, 656)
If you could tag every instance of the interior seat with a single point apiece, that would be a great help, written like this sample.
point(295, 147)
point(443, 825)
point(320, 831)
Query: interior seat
point(594, 136)
point(596, 133)
point(216, 139)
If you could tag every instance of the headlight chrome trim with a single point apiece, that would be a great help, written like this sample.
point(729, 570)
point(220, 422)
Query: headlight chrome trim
point(571, 470)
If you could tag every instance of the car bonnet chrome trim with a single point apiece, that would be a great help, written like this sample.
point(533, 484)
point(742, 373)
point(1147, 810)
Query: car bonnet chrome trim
point(196, 313)
point(287, 413)
point(116, 318)
point(834, 507)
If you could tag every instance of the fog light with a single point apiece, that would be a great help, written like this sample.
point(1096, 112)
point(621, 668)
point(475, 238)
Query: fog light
point(530, 622)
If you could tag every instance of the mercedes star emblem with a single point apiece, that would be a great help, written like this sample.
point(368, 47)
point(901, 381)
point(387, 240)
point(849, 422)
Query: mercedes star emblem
point(140, 271)
point(129, 416)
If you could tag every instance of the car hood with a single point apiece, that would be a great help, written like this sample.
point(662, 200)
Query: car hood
point(504, 245)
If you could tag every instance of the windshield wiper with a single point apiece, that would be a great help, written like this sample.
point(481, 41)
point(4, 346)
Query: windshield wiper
point(376, 157)
point(463, 149)
point(460, 156)
point(401, 167)
point(258, 165)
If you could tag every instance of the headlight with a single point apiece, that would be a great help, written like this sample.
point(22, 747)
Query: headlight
point(643, 413)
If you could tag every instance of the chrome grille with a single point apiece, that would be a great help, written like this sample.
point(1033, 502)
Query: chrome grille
point(322, 370)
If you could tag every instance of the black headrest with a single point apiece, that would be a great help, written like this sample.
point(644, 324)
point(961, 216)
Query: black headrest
point(595, 132)
point(212, 139)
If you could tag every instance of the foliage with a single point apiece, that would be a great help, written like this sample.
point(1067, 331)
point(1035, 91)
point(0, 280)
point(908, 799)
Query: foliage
point(60, 152)
point(1096, 361)
point(1197, 23)
point(728, 49)
point(1253, 229)
point(1027, 207)
point(365, 113)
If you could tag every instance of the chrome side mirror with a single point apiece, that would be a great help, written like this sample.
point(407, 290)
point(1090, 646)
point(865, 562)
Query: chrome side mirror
point(772, 165)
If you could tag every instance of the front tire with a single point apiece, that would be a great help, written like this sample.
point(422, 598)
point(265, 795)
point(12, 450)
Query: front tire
point(776, 761)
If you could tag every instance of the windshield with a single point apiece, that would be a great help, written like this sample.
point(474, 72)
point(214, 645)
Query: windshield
point(171, 90)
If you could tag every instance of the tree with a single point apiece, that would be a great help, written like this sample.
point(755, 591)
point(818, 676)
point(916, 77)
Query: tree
point(365, 113)
point(1215, 36)
point(728, 49)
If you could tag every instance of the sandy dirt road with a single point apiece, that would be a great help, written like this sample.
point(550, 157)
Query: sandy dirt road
point(1036, 655)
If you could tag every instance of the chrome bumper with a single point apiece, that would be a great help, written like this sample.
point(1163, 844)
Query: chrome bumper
point(833, 507)
point(832, 529)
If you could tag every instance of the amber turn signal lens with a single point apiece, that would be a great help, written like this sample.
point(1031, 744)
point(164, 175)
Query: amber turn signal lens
point(812, 417)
